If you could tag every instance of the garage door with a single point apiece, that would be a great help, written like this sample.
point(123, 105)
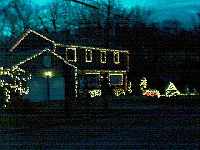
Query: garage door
point(39, 90)
point(57, 88)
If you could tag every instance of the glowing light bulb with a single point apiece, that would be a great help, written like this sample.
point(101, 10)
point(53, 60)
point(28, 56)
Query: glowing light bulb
point(48, 74)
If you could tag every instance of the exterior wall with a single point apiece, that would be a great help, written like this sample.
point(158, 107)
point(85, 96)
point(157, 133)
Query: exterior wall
point(88, 70)
point(94, 84)
point(96, 60)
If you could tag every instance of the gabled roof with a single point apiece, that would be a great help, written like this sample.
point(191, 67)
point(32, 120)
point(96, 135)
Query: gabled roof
point(26, 34)
point(40, 53)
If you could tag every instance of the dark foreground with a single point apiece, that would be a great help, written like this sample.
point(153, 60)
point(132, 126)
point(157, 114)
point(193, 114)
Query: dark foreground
point(128, 127)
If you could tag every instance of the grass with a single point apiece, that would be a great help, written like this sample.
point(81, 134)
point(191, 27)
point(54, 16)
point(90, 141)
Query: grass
point(44, 116)
point(8, 121)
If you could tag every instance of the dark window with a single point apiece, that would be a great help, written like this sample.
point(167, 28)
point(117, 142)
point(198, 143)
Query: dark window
point(116, 79)
point(88, 55)
point(47, 61)
point(71, 54)
point(89, 81)
point(116, 57)
point(103, 56)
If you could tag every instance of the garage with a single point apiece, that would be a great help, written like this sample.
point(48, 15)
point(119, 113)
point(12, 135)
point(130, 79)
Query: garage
point(44, 90)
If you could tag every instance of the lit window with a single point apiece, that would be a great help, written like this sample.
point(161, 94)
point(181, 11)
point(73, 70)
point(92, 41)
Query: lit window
point(71, 54)
point(103, 56)
point(116, 79)
point(88, 55)
point(116, 57)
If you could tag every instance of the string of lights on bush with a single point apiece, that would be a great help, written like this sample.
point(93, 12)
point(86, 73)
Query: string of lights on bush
point(13, 81)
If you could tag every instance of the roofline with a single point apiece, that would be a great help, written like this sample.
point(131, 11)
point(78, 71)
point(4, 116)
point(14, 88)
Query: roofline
point(25, 34)
point(41, 52)
point(89, 47)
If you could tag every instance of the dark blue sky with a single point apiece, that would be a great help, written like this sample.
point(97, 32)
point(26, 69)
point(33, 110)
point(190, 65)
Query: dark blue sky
point(185, 11)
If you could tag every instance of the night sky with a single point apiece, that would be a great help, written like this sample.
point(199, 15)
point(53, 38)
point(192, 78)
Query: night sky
point(184, 11)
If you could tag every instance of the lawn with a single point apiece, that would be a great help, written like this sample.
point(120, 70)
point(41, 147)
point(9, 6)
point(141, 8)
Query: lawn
point(93, 110)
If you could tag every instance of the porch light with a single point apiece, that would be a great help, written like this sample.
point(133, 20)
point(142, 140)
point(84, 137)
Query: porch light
point(48, 74)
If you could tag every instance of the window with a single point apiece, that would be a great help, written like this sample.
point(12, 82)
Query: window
point(116, 79)
point(89, 81)
point(47, 61)
point(116, 57)
point(71, 54)
point(103, 57)
point(88, 55)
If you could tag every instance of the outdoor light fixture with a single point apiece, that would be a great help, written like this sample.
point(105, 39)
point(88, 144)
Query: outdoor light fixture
point(48, 74)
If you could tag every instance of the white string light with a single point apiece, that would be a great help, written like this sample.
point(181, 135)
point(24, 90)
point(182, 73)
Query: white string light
point(116, 52)
point(17, 82)
point(26, 34)
point(95, 92)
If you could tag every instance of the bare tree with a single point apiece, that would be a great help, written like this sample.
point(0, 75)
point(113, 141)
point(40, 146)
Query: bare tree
point(54, 14)
point(23, 11)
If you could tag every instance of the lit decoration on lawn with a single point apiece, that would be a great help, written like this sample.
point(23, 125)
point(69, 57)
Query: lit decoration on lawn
point(95, 92)
point(13, 81)
point(194, 92)
point(143, 84)
point(171, 90)
point(152, 93)
point(119, 91)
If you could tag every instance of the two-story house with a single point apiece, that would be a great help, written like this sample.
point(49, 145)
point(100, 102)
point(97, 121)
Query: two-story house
point(62, 71)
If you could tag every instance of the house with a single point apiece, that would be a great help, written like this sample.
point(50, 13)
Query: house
point(62, 71)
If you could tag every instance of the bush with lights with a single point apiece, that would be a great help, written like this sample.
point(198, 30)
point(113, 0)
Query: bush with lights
point(12, 84)
point(146, 91)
